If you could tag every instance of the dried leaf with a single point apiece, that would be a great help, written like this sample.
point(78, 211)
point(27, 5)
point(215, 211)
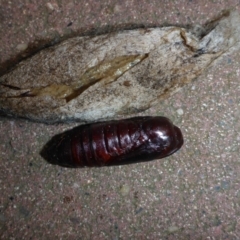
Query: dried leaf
point(93, 78)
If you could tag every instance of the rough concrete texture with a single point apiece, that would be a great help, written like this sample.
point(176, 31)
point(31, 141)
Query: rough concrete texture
point(194, 194)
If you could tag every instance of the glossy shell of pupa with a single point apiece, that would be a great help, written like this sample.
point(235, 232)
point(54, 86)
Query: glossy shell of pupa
point(114, 143)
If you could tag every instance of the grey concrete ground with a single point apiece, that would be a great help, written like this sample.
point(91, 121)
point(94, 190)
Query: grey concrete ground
point(194, 194)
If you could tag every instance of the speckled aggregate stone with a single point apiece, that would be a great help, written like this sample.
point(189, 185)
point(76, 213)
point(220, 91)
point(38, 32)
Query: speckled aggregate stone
point(194, 194)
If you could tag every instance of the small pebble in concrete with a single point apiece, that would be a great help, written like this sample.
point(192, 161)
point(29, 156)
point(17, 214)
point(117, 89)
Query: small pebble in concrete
point(22, 46)
point(124, 190)
point(180, 111)
point(173, 229)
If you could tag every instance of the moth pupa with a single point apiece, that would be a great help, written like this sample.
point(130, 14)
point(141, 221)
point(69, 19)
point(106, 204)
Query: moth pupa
point(111, 143)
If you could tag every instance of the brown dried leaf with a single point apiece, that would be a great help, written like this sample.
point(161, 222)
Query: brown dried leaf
point(93, 78)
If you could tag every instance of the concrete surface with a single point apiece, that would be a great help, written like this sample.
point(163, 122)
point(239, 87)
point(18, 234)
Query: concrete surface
point(194, 194)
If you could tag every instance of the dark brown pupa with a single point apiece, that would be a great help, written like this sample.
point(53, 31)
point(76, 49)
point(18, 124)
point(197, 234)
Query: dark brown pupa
point(114, 143)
